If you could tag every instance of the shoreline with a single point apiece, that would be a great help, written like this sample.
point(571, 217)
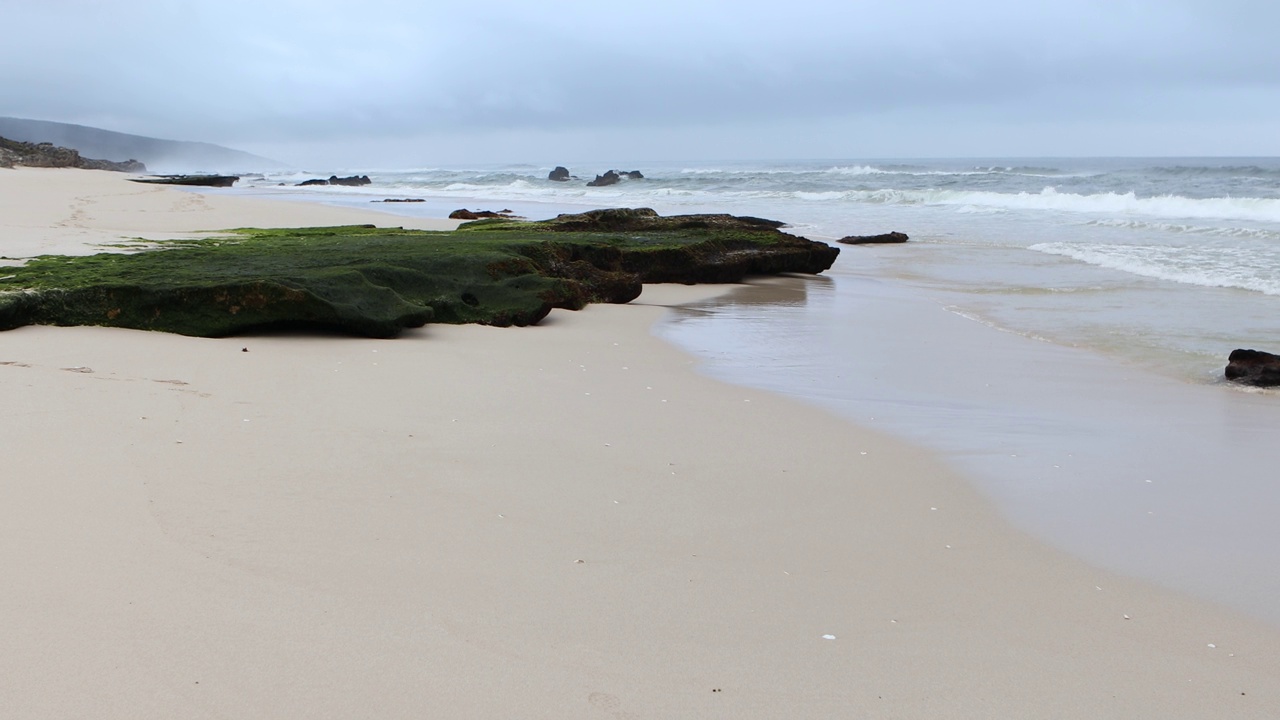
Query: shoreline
point(338, 526)
point(1150, 476)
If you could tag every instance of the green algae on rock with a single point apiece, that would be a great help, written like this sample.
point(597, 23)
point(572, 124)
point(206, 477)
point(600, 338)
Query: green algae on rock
point(376, 282)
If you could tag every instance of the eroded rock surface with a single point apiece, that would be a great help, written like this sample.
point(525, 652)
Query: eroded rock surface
point(354, 180)
point(1253, 367)
point(613, 177)
point(890, 237)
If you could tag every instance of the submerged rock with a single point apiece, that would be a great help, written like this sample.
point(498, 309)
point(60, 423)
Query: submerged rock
point(1253, 367)
point(891, 237)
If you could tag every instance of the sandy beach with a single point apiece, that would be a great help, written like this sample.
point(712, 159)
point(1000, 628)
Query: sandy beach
point(549, 522)
point(74, 212)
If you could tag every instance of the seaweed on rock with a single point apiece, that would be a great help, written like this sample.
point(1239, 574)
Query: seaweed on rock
point(376, 282)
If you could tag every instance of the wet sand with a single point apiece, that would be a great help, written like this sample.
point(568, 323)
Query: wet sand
point(1152, 476)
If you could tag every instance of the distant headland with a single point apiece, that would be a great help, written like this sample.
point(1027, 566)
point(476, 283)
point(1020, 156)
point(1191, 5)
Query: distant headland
point(48, 155)
point(157, 154)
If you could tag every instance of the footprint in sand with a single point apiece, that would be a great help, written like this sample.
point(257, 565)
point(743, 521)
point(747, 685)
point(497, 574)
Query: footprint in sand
point(77, 217)
point(190, 203)
point(609, 704)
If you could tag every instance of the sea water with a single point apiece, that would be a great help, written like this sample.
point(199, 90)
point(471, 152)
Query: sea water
point(1168, 263)
point(1056, 328)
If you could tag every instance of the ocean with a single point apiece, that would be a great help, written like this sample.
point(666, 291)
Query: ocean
point(1055, 328)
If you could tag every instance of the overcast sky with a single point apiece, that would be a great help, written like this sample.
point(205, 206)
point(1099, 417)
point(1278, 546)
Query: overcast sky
point(426, 83)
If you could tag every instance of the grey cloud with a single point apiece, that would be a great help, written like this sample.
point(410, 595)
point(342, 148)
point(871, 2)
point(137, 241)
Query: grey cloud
point(319, 71)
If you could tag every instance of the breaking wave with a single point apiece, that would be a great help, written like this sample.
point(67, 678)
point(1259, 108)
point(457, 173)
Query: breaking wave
point(1219, 231)
point(1230, 267)
point(1049, 199)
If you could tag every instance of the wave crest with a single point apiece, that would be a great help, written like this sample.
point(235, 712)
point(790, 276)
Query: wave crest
point(1239, 268)
point(1049, 199)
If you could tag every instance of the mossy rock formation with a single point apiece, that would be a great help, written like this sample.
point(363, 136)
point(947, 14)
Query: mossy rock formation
point(376, 282)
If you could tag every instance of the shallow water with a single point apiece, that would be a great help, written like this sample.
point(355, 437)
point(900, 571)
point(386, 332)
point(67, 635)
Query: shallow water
point(1146, 475)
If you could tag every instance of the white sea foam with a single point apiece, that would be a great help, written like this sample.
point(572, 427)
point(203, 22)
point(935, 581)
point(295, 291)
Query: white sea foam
point(1049, 199)
point(859, 170)
point(911, 171)
point(836, 170)
point(891, 170)
point(818, 196)
point(744, 171)
point(965, 201)
point(1229, 231)
point(1231, 267)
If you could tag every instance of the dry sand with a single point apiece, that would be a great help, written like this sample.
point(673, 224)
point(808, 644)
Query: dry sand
point(554, 522)
point(75, 212)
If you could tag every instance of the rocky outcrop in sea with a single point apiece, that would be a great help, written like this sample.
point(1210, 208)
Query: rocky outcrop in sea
point(613, 177)
point(353, 181)
point(889, 237)
point(1253, 367)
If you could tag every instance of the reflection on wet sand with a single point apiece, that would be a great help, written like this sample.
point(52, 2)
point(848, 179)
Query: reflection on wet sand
point(1127, 469)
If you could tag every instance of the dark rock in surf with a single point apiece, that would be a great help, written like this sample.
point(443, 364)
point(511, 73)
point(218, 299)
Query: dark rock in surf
point(892, 237)
point(465, 214)
point(609, 178)
point(354, 180)
point(613, 177)
point(193, 180)
point(1253, 367)
point(560, 174)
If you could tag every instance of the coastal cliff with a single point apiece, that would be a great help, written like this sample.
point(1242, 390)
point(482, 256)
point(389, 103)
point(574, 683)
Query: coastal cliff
point(169, 155)
point(376, 282)
point(48, 155)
